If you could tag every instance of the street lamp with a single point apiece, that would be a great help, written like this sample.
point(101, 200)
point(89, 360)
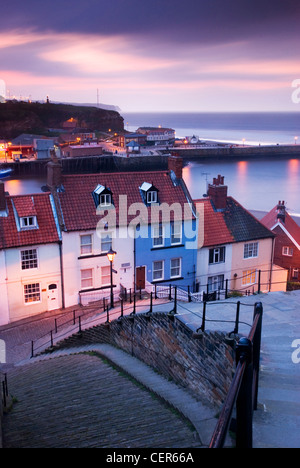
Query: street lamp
point(111, 255)
point(296, 138)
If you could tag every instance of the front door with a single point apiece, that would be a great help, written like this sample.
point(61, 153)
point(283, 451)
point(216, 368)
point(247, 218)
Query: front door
point(140, 278)
point(53, 297)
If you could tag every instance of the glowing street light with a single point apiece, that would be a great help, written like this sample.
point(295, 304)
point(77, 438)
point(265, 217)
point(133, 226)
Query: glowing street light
point(111, 256)
point(296, 138)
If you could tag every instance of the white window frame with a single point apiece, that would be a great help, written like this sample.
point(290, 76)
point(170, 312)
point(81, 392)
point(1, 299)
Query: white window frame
point(105, 199)
point(26, 261)
point(176, 233)
point(287, 251)
point(177, 267)
point(25, 222)
point(82, 245)
point(156, 270)
point(88, 278)
point(158, 235)
point(106, 238)
point(35, 291)
point(217, 255)
point(214, 283)
point(107, 275)
point(151, 197)
point(250, 250)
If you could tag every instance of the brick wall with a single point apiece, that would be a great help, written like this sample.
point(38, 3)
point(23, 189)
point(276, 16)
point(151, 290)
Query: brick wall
point(202, 363)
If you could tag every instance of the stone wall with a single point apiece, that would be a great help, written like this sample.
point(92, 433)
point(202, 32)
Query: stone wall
point(202, 363)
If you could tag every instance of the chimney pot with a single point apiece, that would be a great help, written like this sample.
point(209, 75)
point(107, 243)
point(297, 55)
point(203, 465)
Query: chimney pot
point(218, 193)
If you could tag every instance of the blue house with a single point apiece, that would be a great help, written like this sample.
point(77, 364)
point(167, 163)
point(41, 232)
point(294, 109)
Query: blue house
point(166, 246)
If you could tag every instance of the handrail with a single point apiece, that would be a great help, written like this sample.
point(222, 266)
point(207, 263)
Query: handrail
point(244, 388)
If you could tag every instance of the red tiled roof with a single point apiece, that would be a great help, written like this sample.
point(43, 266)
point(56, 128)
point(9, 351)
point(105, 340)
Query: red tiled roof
point(215, 229)
point(78, 206)
point(25, 206)
point(39, 206)
point(232, 224)
point(270, 220)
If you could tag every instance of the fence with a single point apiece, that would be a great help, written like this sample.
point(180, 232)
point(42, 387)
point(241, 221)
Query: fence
point(243, 390)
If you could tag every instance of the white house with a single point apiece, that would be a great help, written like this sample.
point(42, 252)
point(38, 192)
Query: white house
point(30, 262)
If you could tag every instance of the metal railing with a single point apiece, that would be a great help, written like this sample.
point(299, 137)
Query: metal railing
point(3, 390)
point(243, 392)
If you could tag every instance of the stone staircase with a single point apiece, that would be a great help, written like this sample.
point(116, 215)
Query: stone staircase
point(80, 401)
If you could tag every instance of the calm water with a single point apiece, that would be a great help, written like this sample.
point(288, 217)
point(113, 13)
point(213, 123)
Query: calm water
point(257, 185)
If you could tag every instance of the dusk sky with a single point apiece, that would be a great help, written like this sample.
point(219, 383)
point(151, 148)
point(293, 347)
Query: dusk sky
point(150, 55)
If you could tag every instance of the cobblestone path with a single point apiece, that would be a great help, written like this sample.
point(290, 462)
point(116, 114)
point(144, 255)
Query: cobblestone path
point(80, 401)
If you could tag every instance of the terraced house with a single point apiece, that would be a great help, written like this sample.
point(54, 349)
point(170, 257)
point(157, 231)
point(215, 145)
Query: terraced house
point(30, 256)
point(235, 250)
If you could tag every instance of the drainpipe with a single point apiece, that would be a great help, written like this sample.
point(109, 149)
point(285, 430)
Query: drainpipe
point(62, 276)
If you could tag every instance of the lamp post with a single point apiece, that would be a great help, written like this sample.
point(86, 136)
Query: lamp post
point(111, 255)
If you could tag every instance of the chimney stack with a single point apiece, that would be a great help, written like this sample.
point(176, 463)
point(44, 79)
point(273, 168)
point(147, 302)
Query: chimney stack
point(2, 197)
point(54, 172)
point(175, 164)
point(281, 211)
point(217, 191)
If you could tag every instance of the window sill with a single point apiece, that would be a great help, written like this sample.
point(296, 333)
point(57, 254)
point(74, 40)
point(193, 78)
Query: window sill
point(165, 247)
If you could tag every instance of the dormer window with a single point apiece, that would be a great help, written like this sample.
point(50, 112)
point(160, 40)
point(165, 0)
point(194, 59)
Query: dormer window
point(149, 193)
point(102, 197)
point(28, 222)
point(151, 197)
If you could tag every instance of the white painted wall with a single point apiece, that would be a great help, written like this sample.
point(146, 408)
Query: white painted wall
point(74, 262)
point(48, 272)
point(4, 312)
point(205, 269)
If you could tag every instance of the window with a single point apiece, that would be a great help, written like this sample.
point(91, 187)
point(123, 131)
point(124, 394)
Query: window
point(215, 283)
point(105, 199)
point(86, 244)
point(175, 267)
point(32, 293)
point(29, 222)
point(251, 250)
point(295, 273)
point(86, 278)
point(158, 236)
point(176, 233)
point(105, 275)
point(106, 242)
point(158, 270)
point(29, 259)
point(287, 251)
point(152, 197)
point(249, 277)
point(217, 255)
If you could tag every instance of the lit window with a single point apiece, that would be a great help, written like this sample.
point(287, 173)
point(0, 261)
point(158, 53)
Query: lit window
point(158, 270)
point(287, 251)
point(158, 236)
point(105, 275)
point(249, 277)
point(86, 244)
point(29, 259)
point(29, 222)
point(175, 267)
point(251, 250)
point(86, 278)
point(32, 293)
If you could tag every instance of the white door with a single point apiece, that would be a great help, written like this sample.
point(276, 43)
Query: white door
point(53, 296)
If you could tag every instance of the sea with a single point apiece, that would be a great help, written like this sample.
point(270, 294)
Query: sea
point(257, 184)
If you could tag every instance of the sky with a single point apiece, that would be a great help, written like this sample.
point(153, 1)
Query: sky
point(153, 55)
